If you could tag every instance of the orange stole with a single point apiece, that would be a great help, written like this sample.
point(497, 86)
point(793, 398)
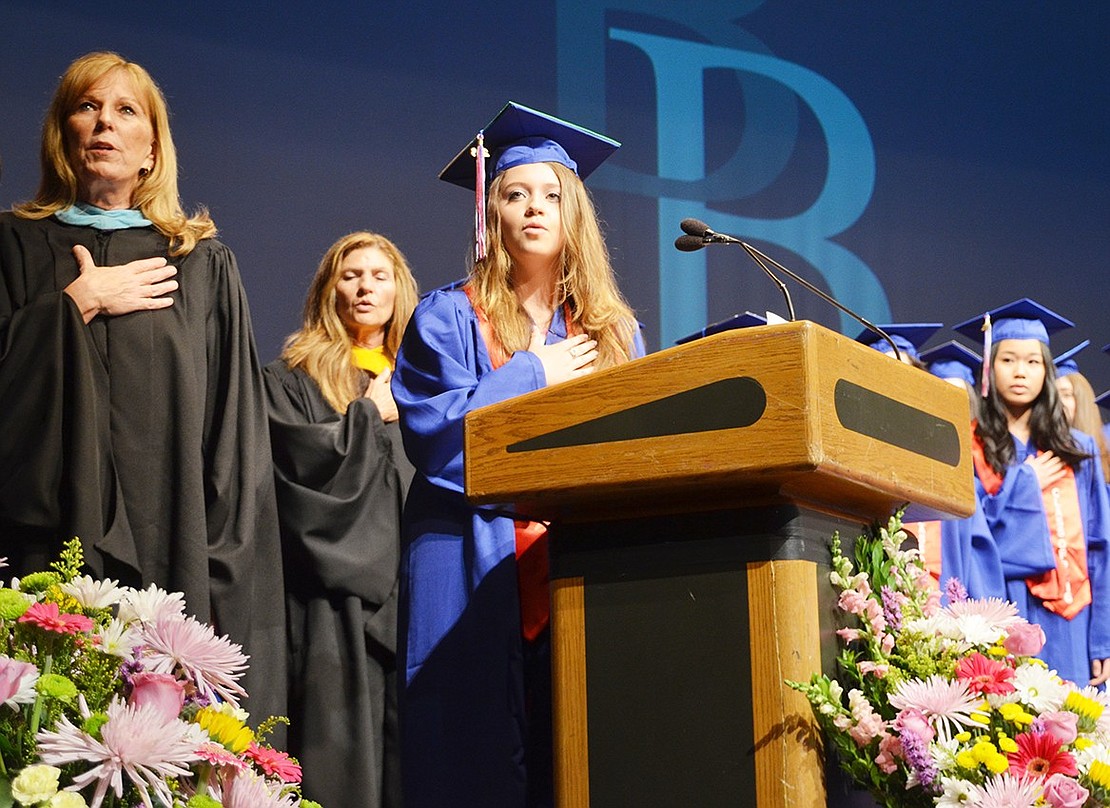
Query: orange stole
point(533, 571)
point(1065, 590)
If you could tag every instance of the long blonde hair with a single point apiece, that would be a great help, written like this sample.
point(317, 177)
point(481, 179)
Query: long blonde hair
point(1088, 419)
point(156, 194)
point(322, 347)
point(586, 283)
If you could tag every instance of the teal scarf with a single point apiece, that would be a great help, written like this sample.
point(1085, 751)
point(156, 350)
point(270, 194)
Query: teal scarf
point(84, 215)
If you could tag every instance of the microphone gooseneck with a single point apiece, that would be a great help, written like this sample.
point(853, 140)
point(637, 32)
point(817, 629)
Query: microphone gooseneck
point(698, 235)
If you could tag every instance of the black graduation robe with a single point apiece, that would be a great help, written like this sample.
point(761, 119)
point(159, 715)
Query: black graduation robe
point(341, 482)
point(144, 435)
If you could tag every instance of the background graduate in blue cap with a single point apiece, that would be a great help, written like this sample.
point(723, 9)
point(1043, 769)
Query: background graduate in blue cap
point(540, 307)
point(1080, 405)
point(909, 337)
point(1043, 496)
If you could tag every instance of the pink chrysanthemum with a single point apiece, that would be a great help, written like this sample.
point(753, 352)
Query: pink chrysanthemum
point(214, 664)
point(275, 763)
point(135, 741)
point(944, 703)
point(985, 676)
point(1040, 755)
point(48, 617)
point(248, 790)
point(1006, 791)
point(17, 681)
point(996, 612)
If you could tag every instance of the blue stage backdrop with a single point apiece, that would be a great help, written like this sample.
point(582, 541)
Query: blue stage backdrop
point(920, 160)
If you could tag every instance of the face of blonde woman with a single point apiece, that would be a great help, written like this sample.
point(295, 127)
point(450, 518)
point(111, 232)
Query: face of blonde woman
point(365, 294)
point(531, 221)
point(1066, 391)
point(110, 139)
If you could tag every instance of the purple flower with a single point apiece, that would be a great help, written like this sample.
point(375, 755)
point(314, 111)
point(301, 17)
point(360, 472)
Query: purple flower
point(892, 607)
point(954, 591)
point(915, 749)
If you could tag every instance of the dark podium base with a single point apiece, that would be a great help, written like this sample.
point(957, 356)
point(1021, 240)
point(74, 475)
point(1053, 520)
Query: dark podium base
point(672, 636)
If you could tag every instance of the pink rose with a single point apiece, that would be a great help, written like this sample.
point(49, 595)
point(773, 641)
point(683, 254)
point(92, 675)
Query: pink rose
point(1060, 791)
point(1024, 639)
point(914, 721)
point(1063, 726)
point(159, 690)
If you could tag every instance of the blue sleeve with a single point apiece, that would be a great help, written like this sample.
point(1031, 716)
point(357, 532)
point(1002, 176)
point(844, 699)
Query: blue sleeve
point(1092, 493)
point(969, 552)
point(443, 372)
point(1015, 516)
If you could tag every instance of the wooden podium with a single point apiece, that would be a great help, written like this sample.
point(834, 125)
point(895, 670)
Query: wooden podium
point(692, 495)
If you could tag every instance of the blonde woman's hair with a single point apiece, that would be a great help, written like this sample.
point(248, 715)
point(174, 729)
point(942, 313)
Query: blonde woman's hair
point(586, 282)
point(1088, 419)
point(322, 348)
point(156, 195)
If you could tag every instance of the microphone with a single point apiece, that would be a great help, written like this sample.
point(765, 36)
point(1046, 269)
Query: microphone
point(698, 235)
point(690, 243)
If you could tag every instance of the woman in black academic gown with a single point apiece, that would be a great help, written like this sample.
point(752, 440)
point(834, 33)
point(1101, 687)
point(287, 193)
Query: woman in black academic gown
point(129, 383)
point(341, 477)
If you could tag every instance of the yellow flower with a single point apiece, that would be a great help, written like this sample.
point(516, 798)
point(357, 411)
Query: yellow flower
point(225, 729)
point(979, 718)
point(1083, 706)
point(983, 750)
point(1015, 714)
point(997, 651)
point(1099, 773)
point(963, 737)
point(1082, 743)
point(1007, 744)
point(967, 760)
point(997, 763)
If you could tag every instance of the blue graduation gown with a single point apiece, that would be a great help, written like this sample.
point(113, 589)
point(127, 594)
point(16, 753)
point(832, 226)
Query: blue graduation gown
point(1018, 522)
point(475, 701)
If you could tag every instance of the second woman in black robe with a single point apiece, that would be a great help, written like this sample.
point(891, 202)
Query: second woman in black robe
point(341, 477)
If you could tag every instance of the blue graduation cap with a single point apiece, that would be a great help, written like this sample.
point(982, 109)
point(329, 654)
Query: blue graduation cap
point(952, 360)
point(745, 320)
point(909, 337)
point(1022, 319)
point(1065, 362)
point(519, 135)
point(1103, 400)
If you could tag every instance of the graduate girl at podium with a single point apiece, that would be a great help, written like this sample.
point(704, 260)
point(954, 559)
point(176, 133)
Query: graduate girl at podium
point(540, 306)
point(1042, 492)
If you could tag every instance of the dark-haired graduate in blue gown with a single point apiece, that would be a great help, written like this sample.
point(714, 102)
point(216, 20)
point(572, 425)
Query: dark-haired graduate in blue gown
point(540, 307)
point(1043, 495)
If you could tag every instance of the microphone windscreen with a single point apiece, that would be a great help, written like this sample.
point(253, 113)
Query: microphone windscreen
point(693, 227)
point(689, 243)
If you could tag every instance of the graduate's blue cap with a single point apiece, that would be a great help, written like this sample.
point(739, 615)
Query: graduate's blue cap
point(909, 337)
point(1065, 362)
point(1022, 319)
point(1103, 400)
point(519, 135)
point(952, 360)
point(745, 320)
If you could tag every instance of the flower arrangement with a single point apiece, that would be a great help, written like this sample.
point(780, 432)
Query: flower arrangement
point(114, 696)
point(947, 705)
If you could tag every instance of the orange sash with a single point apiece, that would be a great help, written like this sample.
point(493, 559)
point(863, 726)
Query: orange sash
point(1065, 590)
point(533, 571)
